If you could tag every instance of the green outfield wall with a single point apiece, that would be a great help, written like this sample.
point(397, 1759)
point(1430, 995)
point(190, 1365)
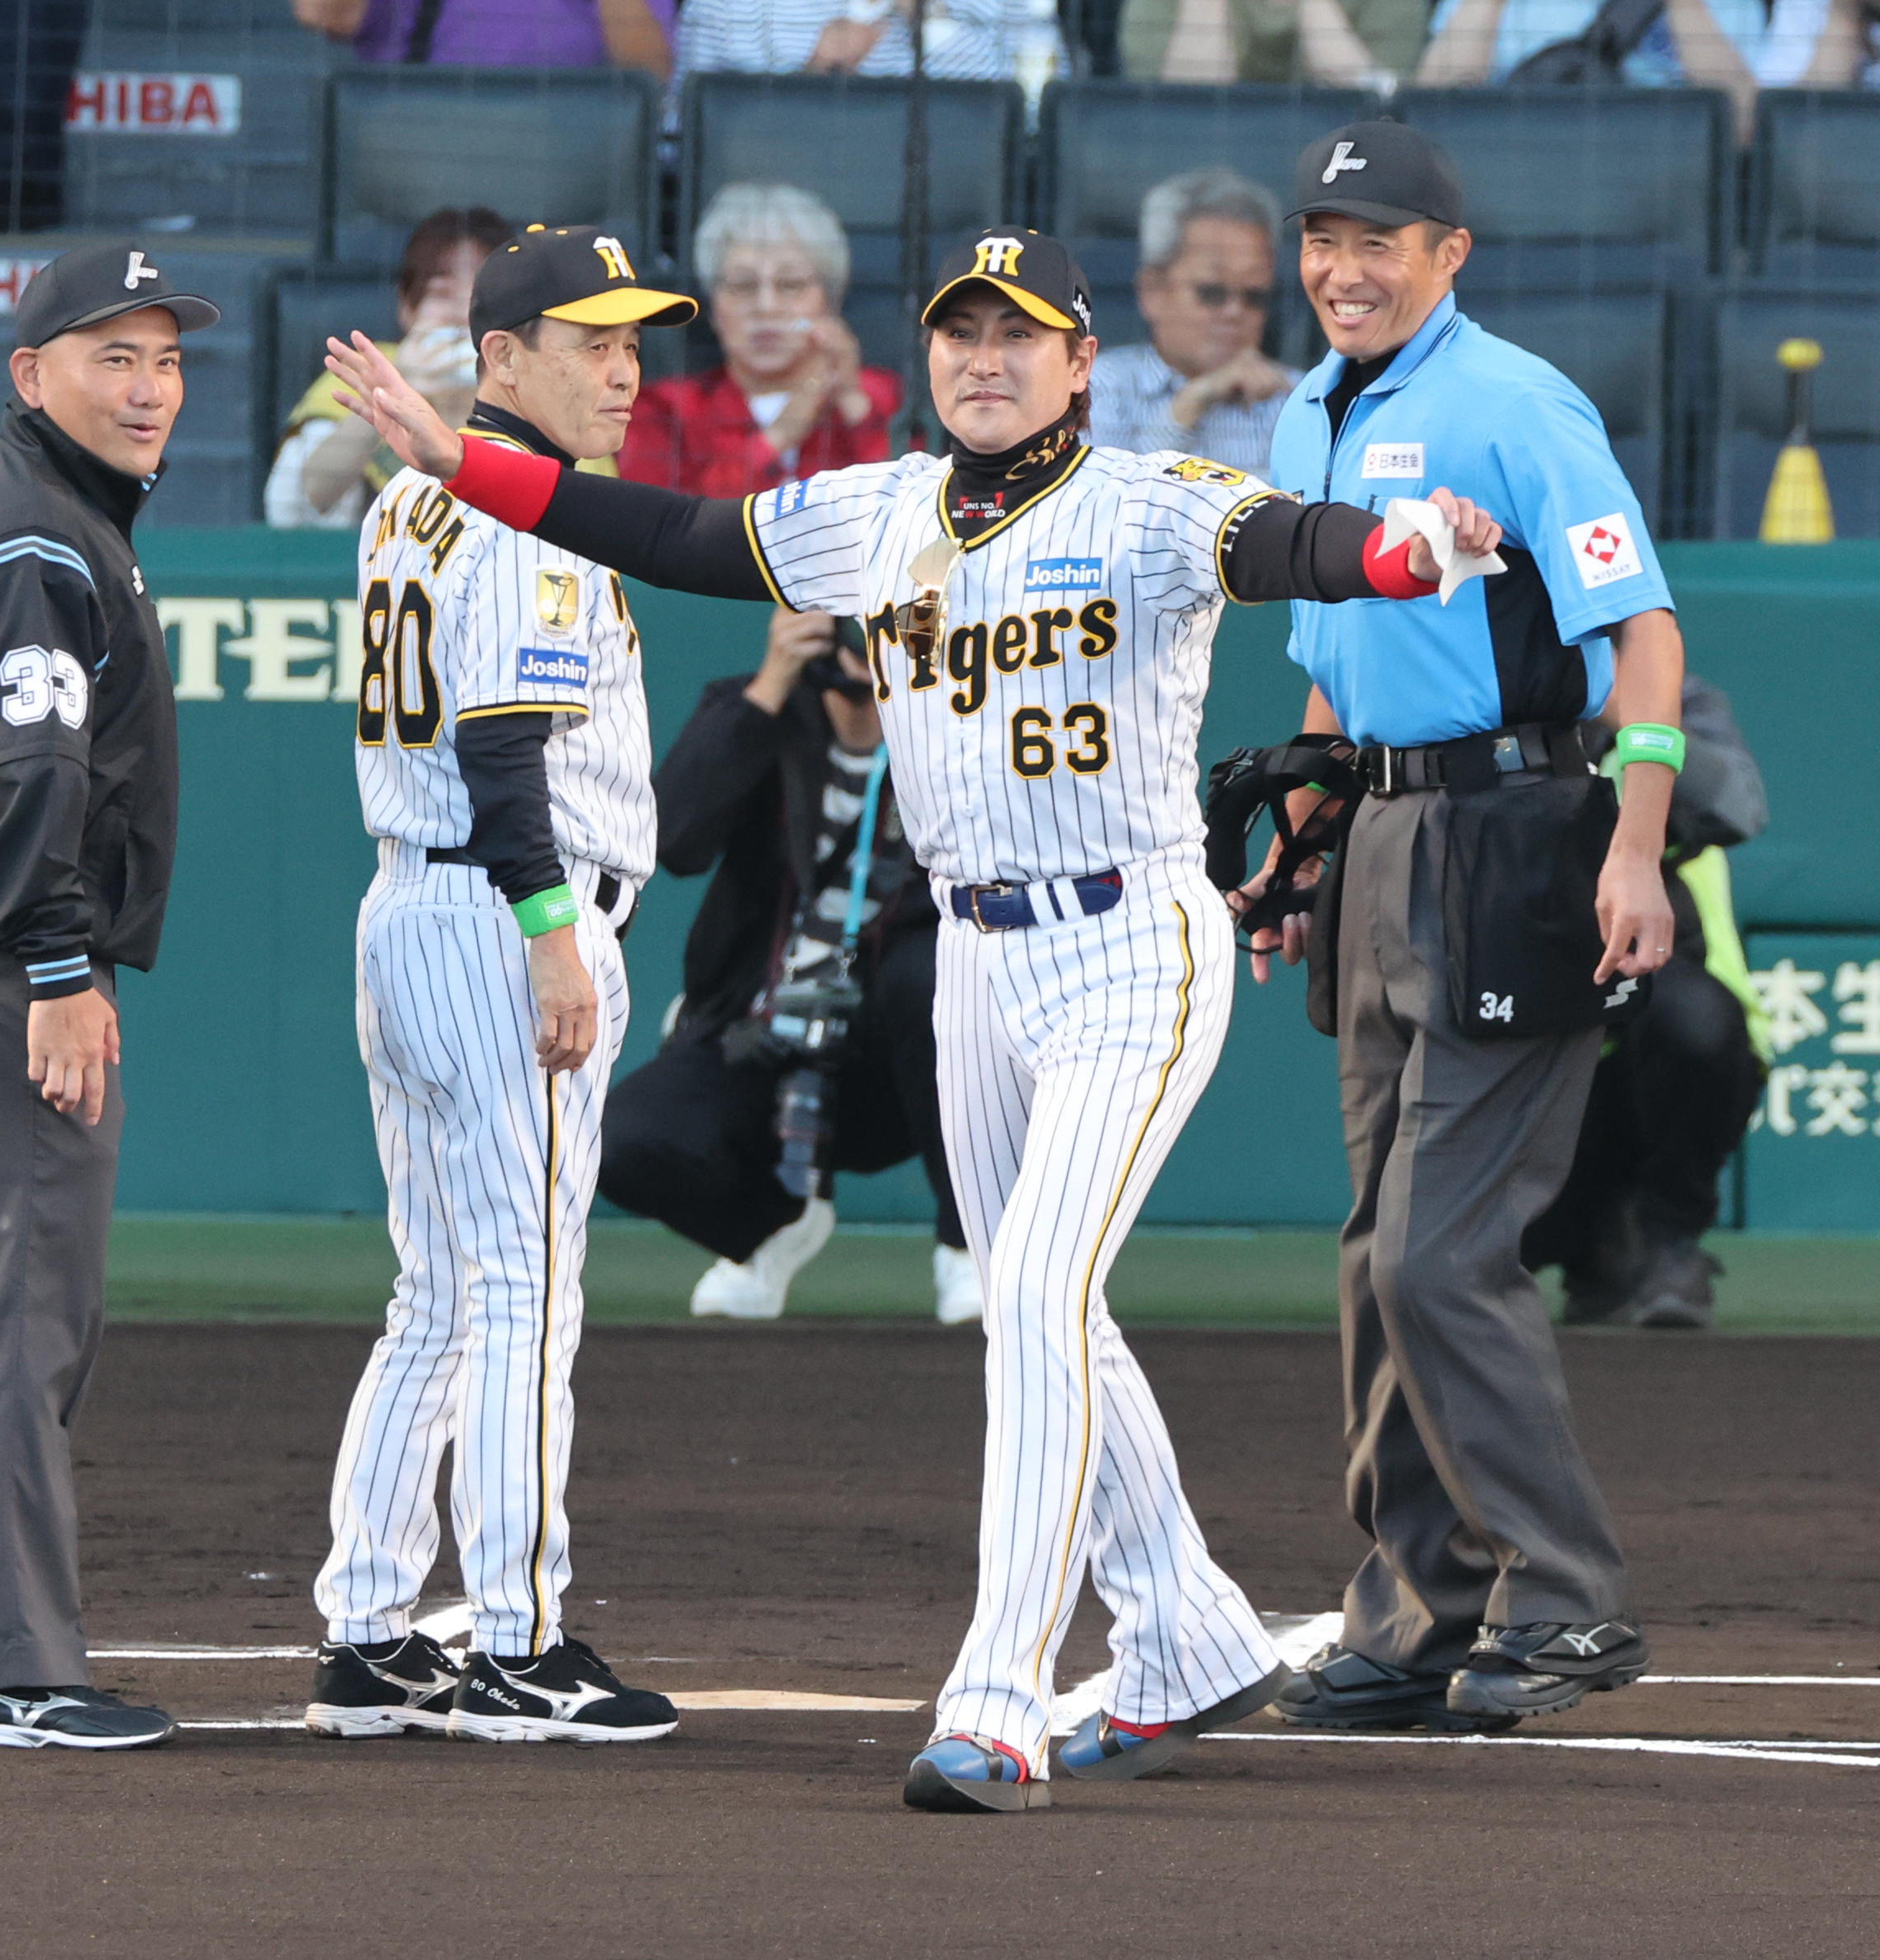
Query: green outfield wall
point(241, 1068)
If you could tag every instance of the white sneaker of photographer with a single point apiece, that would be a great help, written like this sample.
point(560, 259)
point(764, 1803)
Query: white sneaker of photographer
point(756, 1291)
point(956, 1295)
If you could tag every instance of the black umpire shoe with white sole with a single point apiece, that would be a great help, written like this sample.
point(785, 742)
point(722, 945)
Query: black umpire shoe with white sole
point(1534, 1670)
point(1340, 1688)
point(381, 1687)
point(77, 1718)
point(568, 1694)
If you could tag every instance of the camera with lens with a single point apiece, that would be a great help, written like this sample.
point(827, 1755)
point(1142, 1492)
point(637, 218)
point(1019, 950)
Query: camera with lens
point(805, 1035)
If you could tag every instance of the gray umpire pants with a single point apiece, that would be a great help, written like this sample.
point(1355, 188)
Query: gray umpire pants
point(56, 1176)
point(1463, 1469)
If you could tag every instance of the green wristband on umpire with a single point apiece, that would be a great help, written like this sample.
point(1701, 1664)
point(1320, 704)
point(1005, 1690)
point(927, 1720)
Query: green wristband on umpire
point(1650, 742)
point(542, 911)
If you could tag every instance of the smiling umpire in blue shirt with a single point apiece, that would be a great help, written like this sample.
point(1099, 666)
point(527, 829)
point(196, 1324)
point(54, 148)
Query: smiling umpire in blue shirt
point(1494, 1588)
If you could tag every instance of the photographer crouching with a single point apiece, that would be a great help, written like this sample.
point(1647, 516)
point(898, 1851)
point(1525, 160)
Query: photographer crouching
point(804, 1045)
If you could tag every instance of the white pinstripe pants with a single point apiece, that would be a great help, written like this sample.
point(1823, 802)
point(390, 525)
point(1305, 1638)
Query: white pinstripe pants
point(1070, 1057)
point(489, 1168)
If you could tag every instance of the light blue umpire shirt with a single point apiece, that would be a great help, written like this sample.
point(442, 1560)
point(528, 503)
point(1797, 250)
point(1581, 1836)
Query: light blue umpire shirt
point(1458, 409)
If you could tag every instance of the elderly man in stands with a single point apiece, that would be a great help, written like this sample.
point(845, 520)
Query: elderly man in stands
point(792, 396)
point(1201, 382)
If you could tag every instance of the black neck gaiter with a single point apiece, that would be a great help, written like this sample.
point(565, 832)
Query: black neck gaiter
point(983, 490)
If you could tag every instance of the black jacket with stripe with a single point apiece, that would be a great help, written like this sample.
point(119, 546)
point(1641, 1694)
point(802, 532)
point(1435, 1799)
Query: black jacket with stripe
point(87, 717)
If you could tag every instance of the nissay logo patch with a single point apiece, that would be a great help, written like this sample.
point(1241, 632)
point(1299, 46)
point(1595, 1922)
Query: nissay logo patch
point(559, 666)
point(1064, 575)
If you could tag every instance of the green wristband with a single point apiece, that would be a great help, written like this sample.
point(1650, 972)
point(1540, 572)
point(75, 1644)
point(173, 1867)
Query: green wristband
point(542, 911)
point(1650, 742)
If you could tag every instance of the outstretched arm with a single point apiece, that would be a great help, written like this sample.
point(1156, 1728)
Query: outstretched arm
point(1277, 548)
point(693, 544)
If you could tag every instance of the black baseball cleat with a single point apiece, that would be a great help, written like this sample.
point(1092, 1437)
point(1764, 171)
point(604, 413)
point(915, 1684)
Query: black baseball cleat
point(77, 1718)
point(567, 1694)
point(1340, 1688)
point(1515, 1671)
point(1673, 1288)
point(381, 1687)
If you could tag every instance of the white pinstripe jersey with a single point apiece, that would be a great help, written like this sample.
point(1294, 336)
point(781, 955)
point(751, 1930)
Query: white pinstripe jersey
point(463, 617)
point(1053, 731)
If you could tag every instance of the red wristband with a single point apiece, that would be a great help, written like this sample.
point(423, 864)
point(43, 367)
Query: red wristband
point(1389, 571)
point(508, 484)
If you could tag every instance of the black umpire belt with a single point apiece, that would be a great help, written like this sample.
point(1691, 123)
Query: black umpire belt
point(1529, 753)
point(607, 887)
point(1006, 907)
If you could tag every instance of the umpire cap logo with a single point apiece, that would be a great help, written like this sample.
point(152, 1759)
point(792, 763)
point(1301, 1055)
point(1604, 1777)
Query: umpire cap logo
point(998, 258)
point(1342, 159)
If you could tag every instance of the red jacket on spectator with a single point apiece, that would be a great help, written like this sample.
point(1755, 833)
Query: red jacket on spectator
point(695, 433)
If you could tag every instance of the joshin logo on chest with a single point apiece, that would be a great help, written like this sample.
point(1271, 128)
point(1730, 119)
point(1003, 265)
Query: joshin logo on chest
point(1064, 575)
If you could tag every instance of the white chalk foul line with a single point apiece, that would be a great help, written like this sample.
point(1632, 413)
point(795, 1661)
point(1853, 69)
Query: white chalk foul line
point(1652, 1745)
point(747, 1701)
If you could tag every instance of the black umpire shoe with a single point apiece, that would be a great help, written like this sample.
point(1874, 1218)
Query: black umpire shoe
point(77, 1718)
point(1339, 1688)
point(1534, 1670)
point(568, 1694)
point(381, 1687)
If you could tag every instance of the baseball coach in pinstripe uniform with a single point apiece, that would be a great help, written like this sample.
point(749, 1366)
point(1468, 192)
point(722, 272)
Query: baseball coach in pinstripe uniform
point(88, 830)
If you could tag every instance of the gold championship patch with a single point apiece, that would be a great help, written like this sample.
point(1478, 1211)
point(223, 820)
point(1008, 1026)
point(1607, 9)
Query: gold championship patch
point(1198, 469)
point(558, 600)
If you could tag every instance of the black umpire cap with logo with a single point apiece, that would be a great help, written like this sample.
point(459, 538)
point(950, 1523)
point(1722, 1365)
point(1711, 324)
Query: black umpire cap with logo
point(94, 283)
point(1034, 270)
point(573, 272)
point(1383, 173)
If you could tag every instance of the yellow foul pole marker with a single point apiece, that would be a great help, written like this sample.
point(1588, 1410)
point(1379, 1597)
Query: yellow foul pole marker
point(1796, 511)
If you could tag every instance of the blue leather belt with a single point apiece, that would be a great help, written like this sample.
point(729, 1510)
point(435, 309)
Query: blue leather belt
point(1006, 907)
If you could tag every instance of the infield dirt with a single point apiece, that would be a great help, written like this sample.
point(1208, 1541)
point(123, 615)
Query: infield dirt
point(793, 1508)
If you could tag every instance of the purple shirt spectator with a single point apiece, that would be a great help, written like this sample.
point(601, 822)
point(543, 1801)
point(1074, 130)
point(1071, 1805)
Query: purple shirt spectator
point(499, 33)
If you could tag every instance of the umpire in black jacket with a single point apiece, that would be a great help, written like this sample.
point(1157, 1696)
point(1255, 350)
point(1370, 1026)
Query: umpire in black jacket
point(87, 831)
point(767, 781)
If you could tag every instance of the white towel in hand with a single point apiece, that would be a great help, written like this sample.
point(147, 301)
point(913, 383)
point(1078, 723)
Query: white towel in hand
point(1405, 515)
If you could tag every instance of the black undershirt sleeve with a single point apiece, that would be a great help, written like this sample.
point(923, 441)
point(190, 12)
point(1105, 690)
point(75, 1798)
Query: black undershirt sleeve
point(1279, 549)
point(504, 764)
point(660, 537)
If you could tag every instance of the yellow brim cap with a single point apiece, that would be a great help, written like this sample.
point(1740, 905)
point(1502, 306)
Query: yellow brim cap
point(1030, 303)
point(626, 303)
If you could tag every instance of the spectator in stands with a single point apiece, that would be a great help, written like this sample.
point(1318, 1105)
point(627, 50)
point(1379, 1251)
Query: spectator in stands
point(1704, 43)
point(1819, 44)
point(964, 39)
point(501, 33)
point(792, 397)
point(1339, 44)
point(1200, 383)
point(330, 464)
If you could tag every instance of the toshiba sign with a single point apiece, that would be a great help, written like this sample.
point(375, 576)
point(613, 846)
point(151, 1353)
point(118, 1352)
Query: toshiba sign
point(156, 105)
point(14, 275)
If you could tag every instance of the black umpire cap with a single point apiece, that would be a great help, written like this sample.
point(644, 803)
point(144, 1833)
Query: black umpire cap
point(574, 271)
point(1034, 270)
point(1384, 173)
point(94, 283)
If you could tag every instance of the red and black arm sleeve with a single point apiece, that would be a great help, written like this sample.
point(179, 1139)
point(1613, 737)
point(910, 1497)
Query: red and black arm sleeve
point(659, 537)
point(52, 645)
point(1276, 548)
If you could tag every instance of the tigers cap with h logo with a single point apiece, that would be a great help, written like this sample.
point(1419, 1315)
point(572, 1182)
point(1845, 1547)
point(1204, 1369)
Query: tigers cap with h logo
point(572, 272)
point(94, 283)
point(1032, 269)
point(1383, 173)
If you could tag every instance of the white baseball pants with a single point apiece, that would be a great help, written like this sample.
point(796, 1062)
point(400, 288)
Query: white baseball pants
point(1070, 1056)
point(489, 1167)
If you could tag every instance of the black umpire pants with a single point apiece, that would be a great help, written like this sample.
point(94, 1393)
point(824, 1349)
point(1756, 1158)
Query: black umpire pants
point(1463, 1468)
point(56, 1178)
point(1671, 1100)
point(690, 1139)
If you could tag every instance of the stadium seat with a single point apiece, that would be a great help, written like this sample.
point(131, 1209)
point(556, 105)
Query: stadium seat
point(1613, 346)
point(1103, 144)
point(845, 140)
point(199, 129)
point(1752, 412)
point(559, 146)
point(301, 305)
point(213, 473)
point(1567, 187)
point(1815, 187)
